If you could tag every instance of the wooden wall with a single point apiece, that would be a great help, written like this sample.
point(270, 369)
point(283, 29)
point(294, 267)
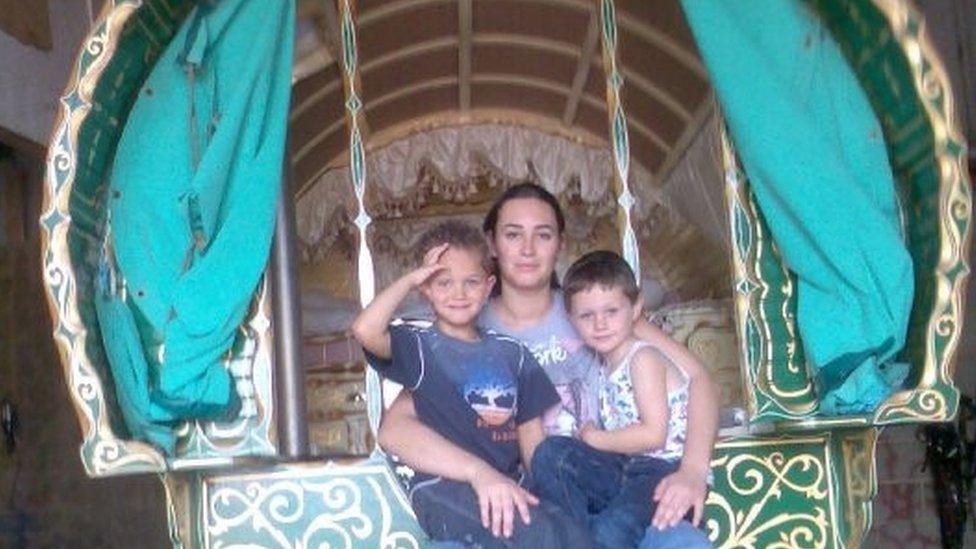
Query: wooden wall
point(46, 500)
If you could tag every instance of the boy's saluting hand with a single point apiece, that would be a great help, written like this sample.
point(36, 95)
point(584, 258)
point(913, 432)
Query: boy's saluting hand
point(371, 327)
point(429, 268)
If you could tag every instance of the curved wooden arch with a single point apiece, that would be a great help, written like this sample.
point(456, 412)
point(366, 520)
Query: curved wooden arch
point(482, 78)
point(556, 47)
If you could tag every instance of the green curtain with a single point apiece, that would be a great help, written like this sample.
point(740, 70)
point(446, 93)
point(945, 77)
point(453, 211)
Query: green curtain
point(815, 156)
point(191, 206)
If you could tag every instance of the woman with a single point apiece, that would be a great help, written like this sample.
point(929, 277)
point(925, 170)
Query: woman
point(525, 229)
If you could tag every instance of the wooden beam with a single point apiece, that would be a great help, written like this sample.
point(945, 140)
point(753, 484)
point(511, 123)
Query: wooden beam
point(653, 90)
point(373, 64)
point(28, 22)
point(336, 125)
point(391, 9)
point(465, 25)
point(663, 42)
point(22, 144)
point(582, 67)
point(647, 132)
point(331, 17)
point(427, 46)
point(551, 86)
point(539, 43)
point(692, 128)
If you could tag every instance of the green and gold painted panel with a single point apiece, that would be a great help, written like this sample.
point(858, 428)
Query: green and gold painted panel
point(804, 490)
point(114, 60)
point(775, 377)
point(112, 64)
point(886, 44)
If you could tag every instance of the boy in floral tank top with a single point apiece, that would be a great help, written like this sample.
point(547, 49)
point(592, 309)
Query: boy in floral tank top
point(605, 477)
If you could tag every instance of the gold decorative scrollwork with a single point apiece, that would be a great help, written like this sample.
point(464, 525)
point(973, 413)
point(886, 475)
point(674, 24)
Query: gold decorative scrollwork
point(935, 398)
point(767, 398)
point(857, 450)
point(763, 482)
point(919, 405)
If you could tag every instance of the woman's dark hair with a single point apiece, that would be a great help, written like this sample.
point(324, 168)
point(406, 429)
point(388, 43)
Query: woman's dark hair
point(522, 190)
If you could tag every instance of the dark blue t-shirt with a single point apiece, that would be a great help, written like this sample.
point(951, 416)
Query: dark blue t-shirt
point(474, 394)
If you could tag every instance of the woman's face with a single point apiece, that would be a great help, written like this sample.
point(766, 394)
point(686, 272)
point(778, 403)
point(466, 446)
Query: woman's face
point(526, 242)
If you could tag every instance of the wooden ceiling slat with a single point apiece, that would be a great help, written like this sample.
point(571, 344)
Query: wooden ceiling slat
point(530, 56)
point(465, 30)
point(420, 25)
point(28, 22)
point(541, 101)
point(531, 19)
point(583, 65)
point(511, 59)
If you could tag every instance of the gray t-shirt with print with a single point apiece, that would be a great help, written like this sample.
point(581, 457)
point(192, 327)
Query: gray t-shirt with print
point(572, 367)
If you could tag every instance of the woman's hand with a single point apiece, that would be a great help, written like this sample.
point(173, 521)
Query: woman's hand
point(499, 497)
point(675, 494)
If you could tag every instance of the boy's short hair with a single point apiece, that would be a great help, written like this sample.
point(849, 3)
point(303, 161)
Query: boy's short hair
point(456, 234)
point(603, 268)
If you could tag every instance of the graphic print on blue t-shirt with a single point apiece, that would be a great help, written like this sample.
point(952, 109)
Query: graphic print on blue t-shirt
point(491, 396)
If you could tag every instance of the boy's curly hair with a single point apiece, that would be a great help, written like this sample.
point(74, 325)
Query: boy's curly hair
point(456, 234)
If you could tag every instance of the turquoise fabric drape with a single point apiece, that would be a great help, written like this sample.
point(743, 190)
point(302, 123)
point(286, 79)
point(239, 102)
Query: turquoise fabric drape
point(815, 156)
point(191, 211)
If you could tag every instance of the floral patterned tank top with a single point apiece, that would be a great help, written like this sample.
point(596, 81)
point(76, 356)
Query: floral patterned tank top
point(618, 408)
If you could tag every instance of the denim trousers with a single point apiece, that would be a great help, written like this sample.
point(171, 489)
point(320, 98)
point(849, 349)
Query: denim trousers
point(449, 514)
point(611, 494)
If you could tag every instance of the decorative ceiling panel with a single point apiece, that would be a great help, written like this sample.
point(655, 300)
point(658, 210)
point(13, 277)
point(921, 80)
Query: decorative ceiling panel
point(508, 96)
point(660, 70)
point(413, 106)
point(593, 118)
point(434, 65)
point(558, 21)
point(642, 147)
point(652, 115)
point(663, 16)
point(519, 60)
point(404, 28)
point(419, 57)
point(318, 158)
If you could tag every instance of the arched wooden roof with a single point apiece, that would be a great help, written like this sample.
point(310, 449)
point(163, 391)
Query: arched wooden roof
point(538, 62)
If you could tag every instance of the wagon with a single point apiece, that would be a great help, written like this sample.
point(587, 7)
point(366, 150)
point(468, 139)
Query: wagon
point(785, 473)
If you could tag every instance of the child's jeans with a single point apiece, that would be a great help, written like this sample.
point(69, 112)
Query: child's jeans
point(609, 493)
point(448, 511)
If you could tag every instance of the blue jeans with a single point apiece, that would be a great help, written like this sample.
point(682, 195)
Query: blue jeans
point(610, 493)
point(681, 536)
point(448, 512)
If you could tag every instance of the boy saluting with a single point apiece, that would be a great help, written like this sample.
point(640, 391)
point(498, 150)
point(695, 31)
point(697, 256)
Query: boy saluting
point(479, 389)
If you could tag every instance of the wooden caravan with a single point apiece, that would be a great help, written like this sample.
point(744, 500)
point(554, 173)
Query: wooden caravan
point(392, 78)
